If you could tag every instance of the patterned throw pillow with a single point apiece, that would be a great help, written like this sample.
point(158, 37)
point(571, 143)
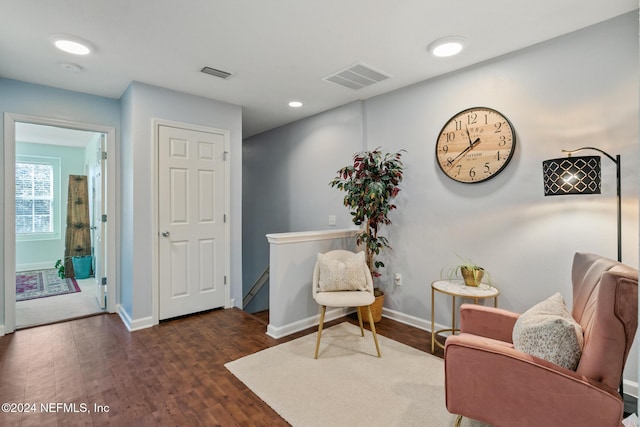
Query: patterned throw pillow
point(336, 275)
point(547, 330)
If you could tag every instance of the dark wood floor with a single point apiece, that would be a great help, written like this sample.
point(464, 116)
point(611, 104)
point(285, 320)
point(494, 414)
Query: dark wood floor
point(170, 375)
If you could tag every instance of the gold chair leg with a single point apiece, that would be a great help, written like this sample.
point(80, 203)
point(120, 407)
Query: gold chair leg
point(458, 421)
point(359, 310)
point(373, 331)
point(324, 308)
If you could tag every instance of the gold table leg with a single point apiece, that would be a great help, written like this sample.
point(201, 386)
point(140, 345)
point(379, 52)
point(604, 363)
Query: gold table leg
point(453, 314)
point(433, 331)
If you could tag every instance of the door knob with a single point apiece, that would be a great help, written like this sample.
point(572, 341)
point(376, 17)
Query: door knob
point(165, 233)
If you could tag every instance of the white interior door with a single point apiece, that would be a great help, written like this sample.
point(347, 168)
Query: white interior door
point(191, 220)
point(99, 226)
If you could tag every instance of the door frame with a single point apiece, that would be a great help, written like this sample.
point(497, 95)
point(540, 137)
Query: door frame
point(155, 281)
point(10, 120)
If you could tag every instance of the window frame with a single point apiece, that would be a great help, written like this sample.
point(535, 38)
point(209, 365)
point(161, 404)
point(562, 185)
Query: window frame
point(56, 205)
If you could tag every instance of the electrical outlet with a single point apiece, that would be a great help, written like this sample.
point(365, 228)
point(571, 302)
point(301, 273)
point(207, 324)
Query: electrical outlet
point(397, 279)
point(332, 220)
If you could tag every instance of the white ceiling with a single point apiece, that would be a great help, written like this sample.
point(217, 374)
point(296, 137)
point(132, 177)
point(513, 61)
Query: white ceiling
point(276, 50)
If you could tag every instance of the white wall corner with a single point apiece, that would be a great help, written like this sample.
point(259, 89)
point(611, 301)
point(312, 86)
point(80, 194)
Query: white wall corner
point(134, 325)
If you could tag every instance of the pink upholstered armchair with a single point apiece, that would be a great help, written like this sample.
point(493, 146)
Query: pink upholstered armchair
point(487, 379)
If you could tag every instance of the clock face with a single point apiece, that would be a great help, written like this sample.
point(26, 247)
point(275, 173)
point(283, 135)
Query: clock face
point(475, 145)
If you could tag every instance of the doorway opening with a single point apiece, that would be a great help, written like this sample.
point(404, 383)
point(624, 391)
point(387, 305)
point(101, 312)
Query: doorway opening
point(49, 161)
point(56, 182)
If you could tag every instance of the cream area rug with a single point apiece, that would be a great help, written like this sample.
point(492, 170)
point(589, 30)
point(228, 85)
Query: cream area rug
point(348, 385)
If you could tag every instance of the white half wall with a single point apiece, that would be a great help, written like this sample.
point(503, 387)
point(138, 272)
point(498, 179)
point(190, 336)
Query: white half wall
point(292, 257)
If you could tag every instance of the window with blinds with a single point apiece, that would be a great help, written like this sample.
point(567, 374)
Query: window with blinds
point(34, 198)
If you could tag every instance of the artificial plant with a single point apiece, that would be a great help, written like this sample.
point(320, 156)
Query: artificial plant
point(60, 267)
point(371, 183)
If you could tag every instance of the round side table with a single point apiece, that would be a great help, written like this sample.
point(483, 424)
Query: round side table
point(457, 288)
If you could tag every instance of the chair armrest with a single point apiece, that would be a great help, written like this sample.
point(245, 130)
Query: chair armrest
point(490, 381)
point(487, 322)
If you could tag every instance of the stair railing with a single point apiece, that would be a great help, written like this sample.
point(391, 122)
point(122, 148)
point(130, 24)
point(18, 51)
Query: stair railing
point(256, 287)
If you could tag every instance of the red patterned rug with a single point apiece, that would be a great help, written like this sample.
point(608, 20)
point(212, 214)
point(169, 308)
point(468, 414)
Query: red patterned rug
point(42, 284)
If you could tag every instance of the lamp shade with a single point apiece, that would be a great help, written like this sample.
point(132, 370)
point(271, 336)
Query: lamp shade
point(571, 175)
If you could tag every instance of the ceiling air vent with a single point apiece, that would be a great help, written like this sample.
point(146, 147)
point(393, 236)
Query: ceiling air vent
point(357, 76)
point(214, 72)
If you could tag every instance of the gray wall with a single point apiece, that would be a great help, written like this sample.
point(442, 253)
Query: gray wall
point(140, 104)
point(36, 100)
point(135, 111)
point(577, 90)
point(289, 170)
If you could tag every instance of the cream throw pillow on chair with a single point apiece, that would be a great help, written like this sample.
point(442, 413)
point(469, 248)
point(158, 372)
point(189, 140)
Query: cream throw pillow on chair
point(336, 275)
point(547, 330)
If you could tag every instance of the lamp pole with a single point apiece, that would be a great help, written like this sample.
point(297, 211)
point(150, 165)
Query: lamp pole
point(615, 160)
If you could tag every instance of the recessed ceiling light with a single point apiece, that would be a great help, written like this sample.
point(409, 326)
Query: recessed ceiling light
point(71, 44)
point(295, 104)
point(447, 46)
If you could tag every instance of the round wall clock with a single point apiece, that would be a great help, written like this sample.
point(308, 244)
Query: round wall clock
point(475, 145)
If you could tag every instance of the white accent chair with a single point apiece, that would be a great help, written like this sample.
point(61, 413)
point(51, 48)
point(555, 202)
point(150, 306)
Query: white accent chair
point(360, 299)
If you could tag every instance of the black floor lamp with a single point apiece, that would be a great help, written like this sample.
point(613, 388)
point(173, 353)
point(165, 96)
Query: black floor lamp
point(580, 175)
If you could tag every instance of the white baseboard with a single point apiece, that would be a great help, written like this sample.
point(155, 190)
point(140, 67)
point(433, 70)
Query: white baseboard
point(134, 325)
point(416, 322)
point(630, 388)
point(124, 316)
point(2, 333)
point(336, 313)
point(35, 266)
point(288, 329)
point(407, 319)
